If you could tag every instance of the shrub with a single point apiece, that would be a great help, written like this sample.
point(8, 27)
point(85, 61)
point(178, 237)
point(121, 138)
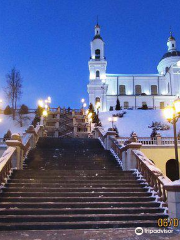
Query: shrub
point(111, 108)
point(23, 109)
point(118, 107)
point(145, 107)
point(8, 110)
point(7, 136)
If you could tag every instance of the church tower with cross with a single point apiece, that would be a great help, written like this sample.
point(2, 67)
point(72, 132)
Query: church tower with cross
point(134, 91)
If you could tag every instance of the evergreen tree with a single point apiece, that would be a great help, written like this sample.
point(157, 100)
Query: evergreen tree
point(118, 107)
point(8, 110)
point(23, 109)
point(95, 117)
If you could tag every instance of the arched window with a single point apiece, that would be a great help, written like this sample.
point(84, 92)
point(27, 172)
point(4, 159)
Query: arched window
point(153, 90)
point(97, 54)
point(171, 169)
point(97, 74)
point(138, 90)
point(122, 90)
point(97, 99)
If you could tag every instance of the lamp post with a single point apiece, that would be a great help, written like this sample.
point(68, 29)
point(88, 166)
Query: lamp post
point(172, 114)
point(112, 120)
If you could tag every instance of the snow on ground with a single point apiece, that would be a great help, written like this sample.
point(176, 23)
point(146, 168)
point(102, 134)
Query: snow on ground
point(7, 123)
point(137, 121)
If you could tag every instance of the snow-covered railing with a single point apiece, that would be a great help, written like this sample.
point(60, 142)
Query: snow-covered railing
point(6, 163)
point(147, 140)
point(18, 148)
point(153, 175)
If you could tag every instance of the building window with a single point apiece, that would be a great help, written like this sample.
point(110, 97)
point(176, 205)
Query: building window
point(161, 105)
point(138, 90)
point(97, 74)
point(172, 45)
point(97, 99)
point(122, 90)
point(126, 105)
point(97, 54)
point(153, 90)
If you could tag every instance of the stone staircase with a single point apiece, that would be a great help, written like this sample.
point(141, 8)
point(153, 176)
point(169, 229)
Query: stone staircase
point(66, 125)
point(75, 184)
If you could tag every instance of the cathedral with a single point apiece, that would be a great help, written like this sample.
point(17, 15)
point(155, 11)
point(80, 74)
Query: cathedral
point(134, 91)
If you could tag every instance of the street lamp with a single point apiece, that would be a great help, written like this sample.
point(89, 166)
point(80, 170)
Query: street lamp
point(90, 120)
point(112, 120)
point(84, 105)
point(172, 114)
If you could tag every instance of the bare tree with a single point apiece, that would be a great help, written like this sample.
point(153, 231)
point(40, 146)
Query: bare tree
point(13, 89)
point(21, 119)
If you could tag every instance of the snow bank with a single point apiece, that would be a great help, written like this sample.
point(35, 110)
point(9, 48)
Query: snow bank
point(8, 124)
point(137, 121)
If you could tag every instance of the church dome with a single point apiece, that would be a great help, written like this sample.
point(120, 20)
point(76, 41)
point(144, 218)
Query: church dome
point(97, 37)
point(172, 56)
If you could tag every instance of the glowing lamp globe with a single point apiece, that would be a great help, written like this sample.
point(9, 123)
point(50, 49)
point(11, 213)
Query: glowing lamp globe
point(169, 112)
point(49, 99)
point(84, 105)
point(110, 119)
point(90, 115)
point(41, 103)
point(45, 113)
point(114, 119)
point(82, 100)
point(177, 105)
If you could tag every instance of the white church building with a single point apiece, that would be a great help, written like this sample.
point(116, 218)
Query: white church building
point(133, 90)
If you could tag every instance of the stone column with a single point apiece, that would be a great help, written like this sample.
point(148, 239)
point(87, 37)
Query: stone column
point(158, 139)
point(173, 200)
point(17, 161)
point(131, 162)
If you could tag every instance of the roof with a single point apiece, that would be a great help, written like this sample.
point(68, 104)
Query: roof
point(97, 26)
point(97, 37)
point(171, 38)
point(171, 54)
point(132, 75)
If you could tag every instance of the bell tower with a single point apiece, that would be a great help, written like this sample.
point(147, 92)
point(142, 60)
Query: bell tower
point(97, 71)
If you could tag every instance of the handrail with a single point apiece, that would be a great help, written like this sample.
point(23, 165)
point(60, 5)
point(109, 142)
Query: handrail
point(6, 163)
point(17, 150)
point(152, 174)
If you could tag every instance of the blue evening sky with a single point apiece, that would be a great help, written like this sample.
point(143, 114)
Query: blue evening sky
point(49, 42)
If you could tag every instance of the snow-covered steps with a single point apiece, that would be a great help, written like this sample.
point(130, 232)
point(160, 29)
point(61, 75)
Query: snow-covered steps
point(75, 184)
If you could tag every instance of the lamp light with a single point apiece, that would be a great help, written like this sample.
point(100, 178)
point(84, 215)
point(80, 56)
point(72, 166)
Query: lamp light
point(169, 112)
point(82, 100)
point(45, 113)
point(177, 105)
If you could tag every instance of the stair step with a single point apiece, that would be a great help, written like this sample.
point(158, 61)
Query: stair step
point(75, 194)
point(79, 184)
point(77, 225)
point(69, 211)
point(74, 205)
point(81, 217)
point(76, 199)
point(11, 189)
point(117, 181)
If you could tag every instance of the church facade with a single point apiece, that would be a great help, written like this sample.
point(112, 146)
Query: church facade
point(133, 90)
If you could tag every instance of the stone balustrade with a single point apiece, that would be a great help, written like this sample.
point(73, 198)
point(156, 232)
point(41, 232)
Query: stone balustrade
point(132, 158)
point(17, 150)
